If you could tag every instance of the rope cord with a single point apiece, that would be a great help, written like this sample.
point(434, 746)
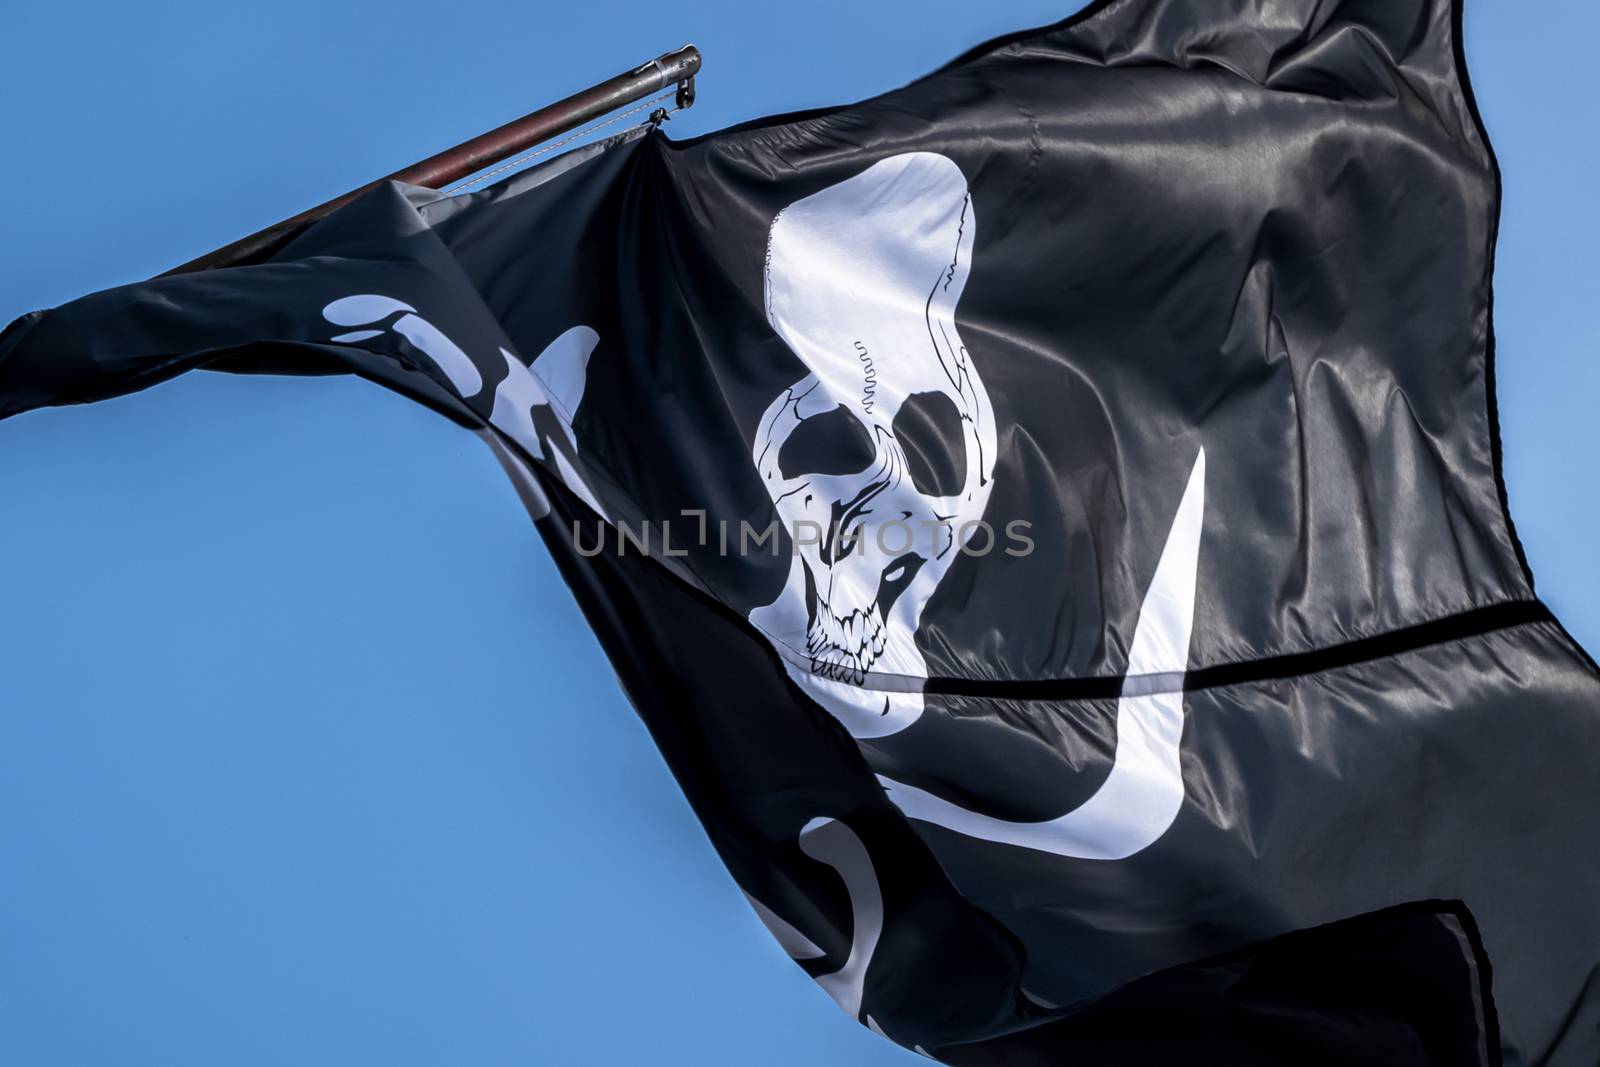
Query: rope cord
point(552, 146)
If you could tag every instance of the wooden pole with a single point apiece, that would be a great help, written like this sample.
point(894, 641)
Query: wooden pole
point(484, 150)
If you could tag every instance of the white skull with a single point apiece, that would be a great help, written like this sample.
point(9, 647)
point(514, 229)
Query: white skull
point(880, 461)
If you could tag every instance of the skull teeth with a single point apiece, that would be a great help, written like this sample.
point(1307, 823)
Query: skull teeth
point(838, 672)
point(844, 649)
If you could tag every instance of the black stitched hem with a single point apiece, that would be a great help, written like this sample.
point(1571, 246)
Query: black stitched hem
point(1437, 632)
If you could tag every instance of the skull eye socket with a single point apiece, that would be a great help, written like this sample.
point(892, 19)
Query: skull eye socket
point(833, 442)
point(928, 427)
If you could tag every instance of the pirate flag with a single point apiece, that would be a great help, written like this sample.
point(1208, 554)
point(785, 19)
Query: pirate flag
point(1048, 516)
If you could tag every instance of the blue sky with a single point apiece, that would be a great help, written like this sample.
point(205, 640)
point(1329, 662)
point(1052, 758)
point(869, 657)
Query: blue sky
point(306, 755)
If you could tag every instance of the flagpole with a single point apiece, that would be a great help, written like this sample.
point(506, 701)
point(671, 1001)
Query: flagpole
point(482, 151)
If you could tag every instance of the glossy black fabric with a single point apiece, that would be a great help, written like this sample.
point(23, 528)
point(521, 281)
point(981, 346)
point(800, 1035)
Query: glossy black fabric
point(1261, 228)
point(1387, 990)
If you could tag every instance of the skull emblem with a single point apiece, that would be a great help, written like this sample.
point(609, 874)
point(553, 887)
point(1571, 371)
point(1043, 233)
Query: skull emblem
point(880, 460)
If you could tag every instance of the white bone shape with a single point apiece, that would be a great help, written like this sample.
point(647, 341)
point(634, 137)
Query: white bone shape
point(365, 308)
point(1141, 797)
point(831, 842)
point(563, 365)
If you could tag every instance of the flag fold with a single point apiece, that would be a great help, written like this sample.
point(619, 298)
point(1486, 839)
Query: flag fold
point(1048, 516)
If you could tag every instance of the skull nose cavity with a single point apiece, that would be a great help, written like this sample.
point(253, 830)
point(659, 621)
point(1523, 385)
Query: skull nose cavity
point(844, 532)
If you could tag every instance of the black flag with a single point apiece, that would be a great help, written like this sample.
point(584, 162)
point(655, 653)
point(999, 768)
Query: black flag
point(1048, 516)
